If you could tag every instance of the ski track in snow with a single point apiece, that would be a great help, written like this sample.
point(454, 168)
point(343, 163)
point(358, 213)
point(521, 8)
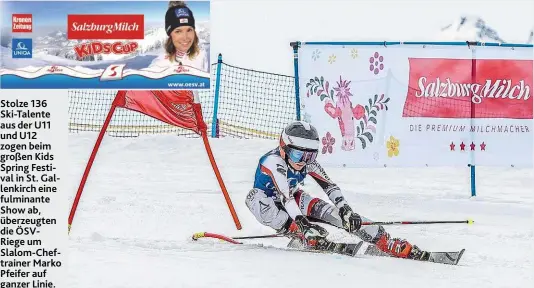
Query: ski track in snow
point(146, 196)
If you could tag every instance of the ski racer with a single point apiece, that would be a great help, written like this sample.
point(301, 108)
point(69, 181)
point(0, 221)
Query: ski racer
point(278, 201)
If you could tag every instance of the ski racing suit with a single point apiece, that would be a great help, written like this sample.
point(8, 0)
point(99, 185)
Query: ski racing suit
point(276, 196)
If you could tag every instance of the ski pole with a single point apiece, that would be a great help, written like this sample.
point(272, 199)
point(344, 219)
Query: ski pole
point(259, 236)
point(469, 221)
point(233, 240)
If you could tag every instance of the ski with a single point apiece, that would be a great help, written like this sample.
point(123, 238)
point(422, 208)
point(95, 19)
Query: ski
point(328, 247)
point(449, 258)
point(351, 249)
point(347, 249)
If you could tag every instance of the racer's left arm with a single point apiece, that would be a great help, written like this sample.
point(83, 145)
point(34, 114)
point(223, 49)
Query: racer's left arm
point(316, 171)
point(351, 221)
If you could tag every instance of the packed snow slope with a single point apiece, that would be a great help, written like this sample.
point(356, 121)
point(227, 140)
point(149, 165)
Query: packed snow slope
point(146, 196)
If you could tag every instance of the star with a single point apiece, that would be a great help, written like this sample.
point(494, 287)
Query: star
point(483, 146)
point(472, 146)
point(462, 146)
point(452, 146)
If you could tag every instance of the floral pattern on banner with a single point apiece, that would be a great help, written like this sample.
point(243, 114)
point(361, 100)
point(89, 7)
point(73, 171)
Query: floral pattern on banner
point(340, 107)
point(332, 59)
point(354, 53)
point(316, 54)
point(328, 143)
point(376, 156)
point(377, 64)
point(393, 146)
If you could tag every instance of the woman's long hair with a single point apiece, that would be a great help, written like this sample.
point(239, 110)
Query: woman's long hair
point(169, 46)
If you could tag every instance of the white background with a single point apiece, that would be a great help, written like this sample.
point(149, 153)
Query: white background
point(52, 236)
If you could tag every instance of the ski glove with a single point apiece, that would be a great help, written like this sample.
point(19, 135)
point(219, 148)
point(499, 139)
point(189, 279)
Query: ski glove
point(351, 221)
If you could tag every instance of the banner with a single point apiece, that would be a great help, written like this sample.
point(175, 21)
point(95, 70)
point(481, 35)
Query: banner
point(103, 45)
point(419, 105)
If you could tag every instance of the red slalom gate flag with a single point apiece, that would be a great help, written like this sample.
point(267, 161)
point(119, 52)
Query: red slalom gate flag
point(174, 107)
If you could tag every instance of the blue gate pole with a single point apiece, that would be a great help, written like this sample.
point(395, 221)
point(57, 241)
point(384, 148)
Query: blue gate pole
point(216, 98)
point(473, 182)
point(296, 46)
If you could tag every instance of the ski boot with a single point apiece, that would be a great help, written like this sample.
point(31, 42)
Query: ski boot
point(418, 254)
point(400, 248)
point(314, 236)
point(290, 230)
point(305, 234)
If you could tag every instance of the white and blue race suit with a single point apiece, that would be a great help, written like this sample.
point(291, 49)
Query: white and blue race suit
point(277, 194)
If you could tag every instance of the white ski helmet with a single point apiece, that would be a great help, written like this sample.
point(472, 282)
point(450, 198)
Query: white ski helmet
point(300, 141)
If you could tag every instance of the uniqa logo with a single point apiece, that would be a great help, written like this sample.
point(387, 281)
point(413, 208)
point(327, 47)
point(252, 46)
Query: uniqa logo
point(22, 48)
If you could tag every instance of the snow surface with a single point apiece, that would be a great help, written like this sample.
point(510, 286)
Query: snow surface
point(146, 196)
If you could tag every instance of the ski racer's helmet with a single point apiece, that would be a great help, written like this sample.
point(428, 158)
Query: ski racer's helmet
point(300, 142)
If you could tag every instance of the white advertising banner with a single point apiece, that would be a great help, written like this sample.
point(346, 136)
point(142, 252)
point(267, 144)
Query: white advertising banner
point(419, 105)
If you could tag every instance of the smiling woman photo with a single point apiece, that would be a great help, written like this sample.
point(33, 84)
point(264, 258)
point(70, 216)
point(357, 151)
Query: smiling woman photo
point(182, 45)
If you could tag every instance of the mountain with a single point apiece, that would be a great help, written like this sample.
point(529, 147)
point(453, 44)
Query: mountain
point(469, 28)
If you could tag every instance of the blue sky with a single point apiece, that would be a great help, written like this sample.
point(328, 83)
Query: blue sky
point(54, 13)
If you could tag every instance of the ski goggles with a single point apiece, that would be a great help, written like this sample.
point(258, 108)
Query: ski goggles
point(299, 156)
